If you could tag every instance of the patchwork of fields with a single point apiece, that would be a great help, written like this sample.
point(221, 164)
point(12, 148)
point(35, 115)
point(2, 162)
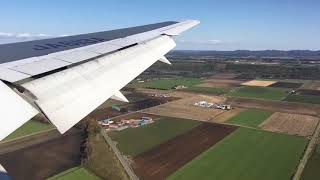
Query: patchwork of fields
point(246, 154)
point(134, 141)
point(166, 158)
point(271, 150)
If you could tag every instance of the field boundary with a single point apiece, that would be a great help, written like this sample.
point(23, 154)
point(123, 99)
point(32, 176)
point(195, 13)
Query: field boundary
point(308, 152)
point(122, 160)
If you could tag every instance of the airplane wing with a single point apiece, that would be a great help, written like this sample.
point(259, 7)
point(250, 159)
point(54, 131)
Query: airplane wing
point(66, 78)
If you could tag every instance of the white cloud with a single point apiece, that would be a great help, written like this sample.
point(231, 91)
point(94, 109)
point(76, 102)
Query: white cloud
point(10, 37)
point(25, 35)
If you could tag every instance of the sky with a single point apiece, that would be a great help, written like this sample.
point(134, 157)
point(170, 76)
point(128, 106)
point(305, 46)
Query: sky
point(225, 24)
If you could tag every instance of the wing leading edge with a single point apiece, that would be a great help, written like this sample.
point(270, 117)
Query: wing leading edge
point(95, 73)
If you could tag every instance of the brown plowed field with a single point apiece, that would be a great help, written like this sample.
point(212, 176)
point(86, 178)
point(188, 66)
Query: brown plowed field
point(286, 85)
point(46, 159)
point(315, 85)
point(221, 83)
point(294, 124)
point(280, 106)
point(166, 158)
point(185, 108)
point(309, 92)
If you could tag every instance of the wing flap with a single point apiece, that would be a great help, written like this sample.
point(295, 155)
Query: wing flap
point(15, 111)
point(68, 96)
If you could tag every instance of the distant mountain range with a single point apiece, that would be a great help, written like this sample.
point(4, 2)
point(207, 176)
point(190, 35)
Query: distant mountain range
point(303, 54)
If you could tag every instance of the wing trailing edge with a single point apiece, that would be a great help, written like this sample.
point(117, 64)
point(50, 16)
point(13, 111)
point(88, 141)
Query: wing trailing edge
point(94, 74)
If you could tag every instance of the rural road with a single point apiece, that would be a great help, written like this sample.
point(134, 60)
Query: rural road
point(122, 160)
point(307, 153)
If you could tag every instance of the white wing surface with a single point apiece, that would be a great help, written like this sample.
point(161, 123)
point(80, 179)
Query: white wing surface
point(69, 83)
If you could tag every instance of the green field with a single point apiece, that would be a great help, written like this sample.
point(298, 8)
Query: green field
point(259, 92)
point(134, 141)
point(208, 90)
point(303, 99)
point(246, 154)
point(167, 84)
point(250, 117)
point(29, 128)
point(311, 170)
point(76, 173)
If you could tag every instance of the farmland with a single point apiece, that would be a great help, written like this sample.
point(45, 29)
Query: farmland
point(261, 83)
point(54, 156)
point(185, 108)
point(208, 90)
point(167, 84)
point(259, 92)
point(315, 85)
point(228, 114)
point(303, 99)
point(311, 170)
point(29, 128)
point(286, 85)
point(281, 106)
point(294, 124)
point(76, 173)
point(153, 134)
point(166, 158)
point(263, 155)
point(250, 117)
point(222, 83)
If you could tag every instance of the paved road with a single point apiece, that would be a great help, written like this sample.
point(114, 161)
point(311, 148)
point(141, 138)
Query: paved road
point(122, 160)
point(312, 144)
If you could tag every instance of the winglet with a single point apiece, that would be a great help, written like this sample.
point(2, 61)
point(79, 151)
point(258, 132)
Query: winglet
point(165, 60)
point(119, 96)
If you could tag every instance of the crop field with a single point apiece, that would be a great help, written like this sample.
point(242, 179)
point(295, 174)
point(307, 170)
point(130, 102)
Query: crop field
point(315, 85)
point(286, 85)
point(309, 92)
point(185, 108)
point(311, 170)
point(246, 154)
point(29, 128)
point(166, 158)
point(224, 83)
point(208, 90)
point(167, 84)
point(133, 141)
point(261, 83)
point(45, 159)
point(228, 114)
point(303, 99)
point(76, 173)
point(250, 117)
point(294, 124)
point(280, 106)
point(259, 92)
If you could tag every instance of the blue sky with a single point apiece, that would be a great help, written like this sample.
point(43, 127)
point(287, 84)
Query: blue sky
point(225, 24)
